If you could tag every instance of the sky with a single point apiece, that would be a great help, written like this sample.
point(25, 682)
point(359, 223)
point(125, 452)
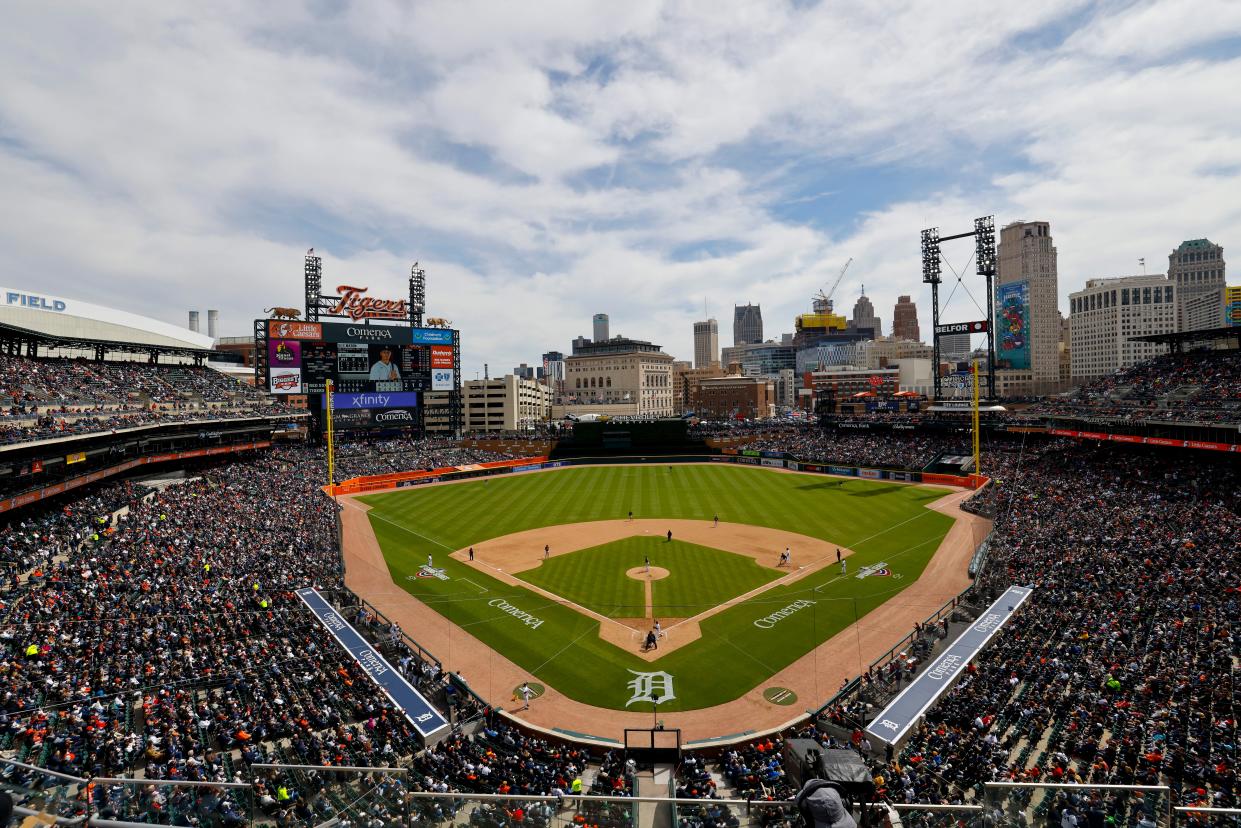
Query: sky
point(548, 160)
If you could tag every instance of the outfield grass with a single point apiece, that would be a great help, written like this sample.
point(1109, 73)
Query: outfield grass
point(881, 522)
point(699, 577)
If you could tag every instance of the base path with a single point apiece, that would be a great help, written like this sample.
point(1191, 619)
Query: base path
point(814, 677)
point(505, 558)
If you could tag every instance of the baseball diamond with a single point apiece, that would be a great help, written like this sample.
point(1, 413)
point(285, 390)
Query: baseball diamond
point(558, 589)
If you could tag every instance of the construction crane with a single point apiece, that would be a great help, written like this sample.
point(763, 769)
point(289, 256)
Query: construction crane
point(822, 302)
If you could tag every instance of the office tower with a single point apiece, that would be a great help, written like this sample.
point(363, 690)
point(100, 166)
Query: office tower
point(1027, 314)
point(601, 327)
point(747, 324)
point(1196, 269)
point(706, 343)
point(905, 320)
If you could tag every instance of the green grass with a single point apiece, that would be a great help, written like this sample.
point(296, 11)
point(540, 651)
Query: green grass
point(881, 522)
point(698, 577)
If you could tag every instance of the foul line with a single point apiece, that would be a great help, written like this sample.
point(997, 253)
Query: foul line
point(554, 655)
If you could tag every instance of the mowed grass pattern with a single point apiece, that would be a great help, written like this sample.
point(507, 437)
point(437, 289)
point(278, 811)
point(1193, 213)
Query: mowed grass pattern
point(698, 577)
point(881, 522)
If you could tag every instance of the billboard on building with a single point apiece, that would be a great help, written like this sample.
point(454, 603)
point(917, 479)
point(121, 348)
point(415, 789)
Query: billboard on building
point(1012, 325)
point(1232, 306)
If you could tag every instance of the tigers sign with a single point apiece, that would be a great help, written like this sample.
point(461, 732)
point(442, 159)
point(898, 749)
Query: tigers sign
point(352, 302)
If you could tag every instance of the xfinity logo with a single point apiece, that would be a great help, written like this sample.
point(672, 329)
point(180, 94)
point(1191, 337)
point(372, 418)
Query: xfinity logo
point(369, 401)
point(395, 415)
point(370, 333)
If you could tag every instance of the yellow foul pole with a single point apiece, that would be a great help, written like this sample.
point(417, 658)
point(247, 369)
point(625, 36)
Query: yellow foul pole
point(331, 446)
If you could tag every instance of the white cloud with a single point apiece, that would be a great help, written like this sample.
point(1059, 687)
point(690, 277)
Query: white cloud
point(550, 161)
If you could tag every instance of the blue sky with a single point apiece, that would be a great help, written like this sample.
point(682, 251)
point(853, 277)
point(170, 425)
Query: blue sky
point(549, 160)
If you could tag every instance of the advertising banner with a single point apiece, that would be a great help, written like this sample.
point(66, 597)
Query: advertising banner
point(846, 470)
point(871, 474)
point(374, 418)
point(282, 329)
point(442, 379)
point(1012, 325)
point(76, 457)
point(389, 399)
point(284, 380)
point(430, 336)
point(905, 475)
point(768, 461)
point(284, 353)
point(441, 356)
point(1232, 307)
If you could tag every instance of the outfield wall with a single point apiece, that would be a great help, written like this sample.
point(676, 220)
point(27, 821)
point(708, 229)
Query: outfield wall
point(766, 459)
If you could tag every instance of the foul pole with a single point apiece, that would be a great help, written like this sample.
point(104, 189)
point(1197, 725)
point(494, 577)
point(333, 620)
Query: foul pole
point(331, 446)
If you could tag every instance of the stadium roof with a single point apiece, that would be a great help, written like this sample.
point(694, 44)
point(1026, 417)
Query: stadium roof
point(1181, 337)
point(15, 333)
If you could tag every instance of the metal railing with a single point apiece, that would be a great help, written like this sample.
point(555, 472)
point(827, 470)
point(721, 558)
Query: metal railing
point(323, 795)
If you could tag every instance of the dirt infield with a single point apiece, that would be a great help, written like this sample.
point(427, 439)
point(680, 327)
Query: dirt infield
point(519, 552)
point(814, 677)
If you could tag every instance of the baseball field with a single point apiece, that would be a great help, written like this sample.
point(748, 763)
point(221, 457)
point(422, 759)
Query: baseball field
point(565, 584)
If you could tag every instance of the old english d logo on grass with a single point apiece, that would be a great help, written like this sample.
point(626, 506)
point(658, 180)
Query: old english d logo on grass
point(650, 687)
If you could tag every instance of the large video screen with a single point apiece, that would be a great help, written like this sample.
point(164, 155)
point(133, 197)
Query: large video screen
point(303, 356)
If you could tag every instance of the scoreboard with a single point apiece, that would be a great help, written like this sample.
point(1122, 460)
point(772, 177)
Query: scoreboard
point(303, 356)
point(373, 362)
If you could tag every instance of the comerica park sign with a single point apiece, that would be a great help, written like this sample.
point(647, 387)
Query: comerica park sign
point(962, 328)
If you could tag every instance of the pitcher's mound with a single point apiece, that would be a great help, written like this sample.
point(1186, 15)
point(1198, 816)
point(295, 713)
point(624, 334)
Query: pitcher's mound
point(639, 573)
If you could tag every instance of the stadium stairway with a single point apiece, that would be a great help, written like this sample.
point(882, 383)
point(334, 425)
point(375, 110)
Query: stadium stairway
point(656, 782)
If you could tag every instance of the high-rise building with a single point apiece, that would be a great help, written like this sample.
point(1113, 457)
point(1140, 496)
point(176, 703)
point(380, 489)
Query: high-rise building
point(954, 347)
point(747, 324)
point(905, 320)
point(1195, 268)
point(579, 343)
point(706, 343)
point(1107, 314)
point(619, 377)
point(213, 323)
point(1204, 311)
point(194, 321)
point(507, 403)
point(1027, 315)
point(864, 316)
point(600, 321)
point(553, 370)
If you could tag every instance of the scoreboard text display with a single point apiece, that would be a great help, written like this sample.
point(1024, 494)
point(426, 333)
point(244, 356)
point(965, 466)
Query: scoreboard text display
point(358, 358)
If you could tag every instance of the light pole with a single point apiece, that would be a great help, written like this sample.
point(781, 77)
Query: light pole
point(655, 712)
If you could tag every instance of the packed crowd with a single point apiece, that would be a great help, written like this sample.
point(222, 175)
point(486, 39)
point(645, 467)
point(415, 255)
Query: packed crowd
point(1194, 386)
point(168, 640)
point(42, 398)
point(399, 454)
point(158, 633)
point(1121, 668)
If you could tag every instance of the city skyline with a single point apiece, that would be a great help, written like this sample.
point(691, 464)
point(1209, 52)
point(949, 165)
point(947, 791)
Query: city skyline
point(640, 155)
